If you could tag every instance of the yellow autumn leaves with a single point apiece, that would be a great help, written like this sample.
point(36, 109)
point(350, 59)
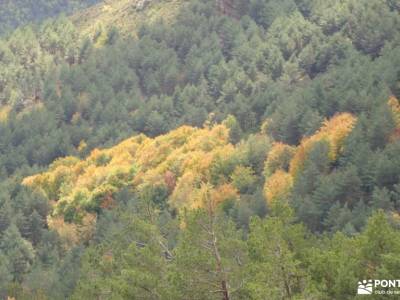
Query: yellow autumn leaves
point(181, 163)
point(180, 160)
point(284, 162)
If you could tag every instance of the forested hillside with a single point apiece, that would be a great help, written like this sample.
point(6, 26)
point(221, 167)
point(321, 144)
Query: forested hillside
point(125, 15)
point(18, 12)
point(199, 149)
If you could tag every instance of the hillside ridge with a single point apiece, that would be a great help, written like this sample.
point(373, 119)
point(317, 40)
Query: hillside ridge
point(125, 15)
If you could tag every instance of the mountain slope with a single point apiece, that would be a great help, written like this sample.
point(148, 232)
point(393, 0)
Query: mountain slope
point(126, 15)
point(14, 13)
point(258, 129)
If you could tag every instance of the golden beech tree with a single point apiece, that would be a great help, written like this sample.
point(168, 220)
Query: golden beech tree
point(394, 105)
point(224, 193)
point(334, 131)
point(185, 187)
point(278, 157)
point(71, 234)
point(170, 180)
point(278, 186)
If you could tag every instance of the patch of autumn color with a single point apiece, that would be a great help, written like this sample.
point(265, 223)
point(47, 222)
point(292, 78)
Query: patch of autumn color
point(86, 227)
point(50, 183)
point(395, 218)
point(394, 104)
point(4, 111)
point(334, 131)
point(279, 157)
point(76, 117)
point(70, 233)
point(108, 256)
point(67, 231)
point(224, 193)
point(395, 135)
point(278, 186)
point(67, 161)
point(170, 180)
point(187, 160)
point(208, 197)
point(108, 202)
point(155, 151)
point(180, 160)
point(185, 187)
point(82, 146)
point(265, 126)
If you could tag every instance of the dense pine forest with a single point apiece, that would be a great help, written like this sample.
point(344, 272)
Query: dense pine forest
point(197, 149)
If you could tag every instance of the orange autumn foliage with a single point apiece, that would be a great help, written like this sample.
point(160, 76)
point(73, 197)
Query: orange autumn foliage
point(279, 157)
point(394, 105)
point(210, 197)
point(170, 180)
point(71, 234)
point(334, 131)
point(4, 112)
point(108, 202)
point(180, 161)
point(224, 193)
point(278, 186)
